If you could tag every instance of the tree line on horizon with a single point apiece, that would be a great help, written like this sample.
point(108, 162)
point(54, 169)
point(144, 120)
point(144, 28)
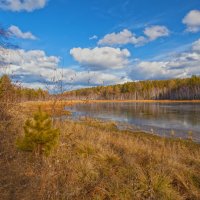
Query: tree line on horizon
point(17, 93)
point(172, 89)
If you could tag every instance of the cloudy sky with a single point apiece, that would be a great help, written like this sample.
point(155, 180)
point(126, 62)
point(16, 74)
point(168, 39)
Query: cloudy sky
point(92, 42)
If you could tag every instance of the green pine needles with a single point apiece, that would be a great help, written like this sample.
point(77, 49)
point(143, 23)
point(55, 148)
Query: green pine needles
point(40, 136)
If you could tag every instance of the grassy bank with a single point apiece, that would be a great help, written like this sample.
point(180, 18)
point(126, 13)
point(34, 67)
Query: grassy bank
point(53, 108)
point(57, 108)
point(94, 160)
point(72, 102)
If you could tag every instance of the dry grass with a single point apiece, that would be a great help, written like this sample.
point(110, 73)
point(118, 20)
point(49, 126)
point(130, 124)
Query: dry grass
point(94, 160)
point(29, 104)
point(53, 108)
point(57, 108)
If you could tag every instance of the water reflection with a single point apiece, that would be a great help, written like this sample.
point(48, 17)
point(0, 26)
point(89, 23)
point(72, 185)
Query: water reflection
point(162, 118)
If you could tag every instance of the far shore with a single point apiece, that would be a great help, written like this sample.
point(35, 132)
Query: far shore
point(72, 102)
point(142, 101)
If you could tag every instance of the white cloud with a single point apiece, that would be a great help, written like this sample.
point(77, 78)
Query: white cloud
point(14, 30)
point(192, 21)
point(93, 78)
point(35, 69)
point(155, 32)
point(35, 85)
point(177, 66)
point(22, 5)
point(121, 38)
point(101, 58)
point(94, 37)
point(127, 37)
point(30, 66)
point(196, 46)
point(154, 70)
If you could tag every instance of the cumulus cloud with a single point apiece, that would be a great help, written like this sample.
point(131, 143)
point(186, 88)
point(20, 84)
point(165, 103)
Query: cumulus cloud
point(93, 78)
point(15, 31)
point(180, 65)
point(121, 38)
point(36, 69)
point(192, 21)
point(22, 5)
point(127, 37)
point(155, 32)
point(101, 58)
point(29, 66)
point(196, 46)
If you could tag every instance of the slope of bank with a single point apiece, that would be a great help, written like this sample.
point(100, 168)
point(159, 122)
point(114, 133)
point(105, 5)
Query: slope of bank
point(94, 160)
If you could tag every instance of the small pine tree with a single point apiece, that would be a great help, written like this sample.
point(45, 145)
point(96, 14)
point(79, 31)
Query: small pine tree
point(40, 137)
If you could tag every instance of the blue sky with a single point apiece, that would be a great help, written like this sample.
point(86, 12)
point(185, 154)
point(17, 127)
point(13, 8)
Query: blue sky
point(106, 42)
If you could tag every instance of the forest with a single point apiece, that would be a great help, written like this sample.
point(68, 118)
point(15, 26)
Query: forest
point(173, 89)
point(19, 93)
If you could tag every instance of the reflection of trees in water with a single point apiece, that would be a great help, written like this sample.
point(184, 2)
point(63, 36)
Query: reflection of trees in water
point(183, 112)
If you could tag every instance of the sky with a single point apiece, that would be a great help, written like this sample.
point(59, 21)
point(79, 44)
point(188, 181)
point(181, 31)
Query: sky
point(105, 42)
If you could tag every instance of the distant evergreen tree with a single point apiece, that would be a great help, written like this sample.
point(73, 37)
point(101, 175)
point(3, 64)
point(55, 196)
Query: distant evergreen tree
point(40, 137)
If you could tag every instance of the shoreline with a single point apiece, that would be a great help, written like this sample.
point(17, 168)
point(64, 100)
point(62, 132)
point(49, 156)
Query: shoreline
point(72, 102)
point(60, 105)
point(151, 130)
point(140, 101)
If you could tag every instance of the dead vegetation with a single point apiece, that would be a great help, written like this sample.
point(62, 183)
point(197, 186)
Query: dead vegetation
point(53, 108)
point(94, 160)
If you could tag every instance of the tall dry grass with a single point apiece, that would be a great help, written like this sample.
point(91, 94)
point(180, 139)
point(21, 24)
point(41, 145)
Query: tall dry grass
point(53, 108)
point(94, 160)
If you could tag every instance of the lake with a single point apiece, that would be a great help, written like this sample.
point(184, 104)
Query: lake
point(164, 119)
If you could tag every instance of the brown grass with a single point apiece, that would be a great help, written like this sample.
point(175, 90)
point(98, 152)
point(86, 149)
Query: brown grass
point(29, 104)
point(51, 107)
point(94, 160)
point(57, 108)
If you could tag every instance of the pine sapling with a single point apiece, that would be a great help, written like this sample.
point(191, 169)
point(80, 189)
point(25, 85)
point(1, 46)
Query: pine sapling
point(39, 135)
